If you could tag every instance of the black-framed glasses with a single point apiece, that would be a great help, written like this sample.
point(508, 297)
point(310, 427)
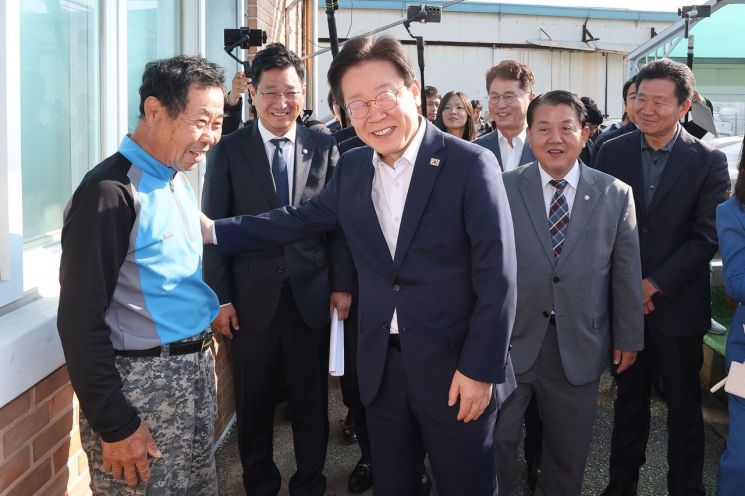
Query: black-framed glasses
point(359, 109)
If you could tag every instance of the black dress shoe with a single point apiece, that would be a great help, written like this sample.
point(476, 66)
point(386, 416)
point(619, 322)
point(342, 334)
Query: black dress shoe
point(347, 429)
point(426, 486)
point(361, 478)
point(620, 489)
point(534, 470)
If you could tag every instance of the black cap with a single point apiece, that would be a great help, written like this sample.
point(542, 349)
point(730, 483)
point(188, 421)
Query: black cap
point(594, 115)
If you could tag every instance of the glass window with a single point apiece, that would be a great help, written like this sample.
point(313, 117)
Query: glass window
point(153, 32)
point(221, 15)
point(59, 107)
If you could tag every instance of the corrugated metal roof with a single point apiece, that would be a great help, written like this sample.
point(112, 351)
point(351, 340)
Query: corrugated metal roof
point(507, 8)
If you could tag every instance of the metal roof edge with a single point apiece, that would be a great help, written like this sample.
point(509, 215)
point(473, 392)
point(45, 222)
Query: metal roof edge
point(507, 8)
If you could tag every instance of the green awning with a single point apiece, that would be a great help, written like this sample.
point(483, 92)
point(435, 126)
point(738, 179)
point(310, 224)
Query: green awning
point(721, 36)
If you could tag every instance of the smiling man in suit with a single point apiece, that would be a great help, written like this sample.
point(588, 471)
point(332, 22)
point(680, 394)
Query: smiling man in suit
point(275, 308)
point(578, 271)
point(428, 224)
point(510, 87)
point(678, 182)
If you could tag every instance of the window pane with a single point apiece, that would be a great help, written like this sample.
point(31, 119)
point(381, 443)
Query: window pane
point(59, 107)
point(222, 14)
point(153, 32)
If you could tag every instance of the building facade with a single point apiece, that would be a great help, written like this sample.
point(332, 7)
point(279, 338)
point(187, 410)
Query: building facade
point(69, 78)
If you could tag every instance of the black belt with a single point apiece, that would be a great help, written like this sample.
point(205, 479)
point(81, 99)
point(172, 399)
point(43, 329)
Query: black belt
point(394, 341)
point(178, 348)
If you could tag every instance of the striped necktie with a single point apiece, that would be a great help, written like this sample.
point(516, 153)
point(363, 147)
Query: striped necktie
point(558, 216)
point(279, 172)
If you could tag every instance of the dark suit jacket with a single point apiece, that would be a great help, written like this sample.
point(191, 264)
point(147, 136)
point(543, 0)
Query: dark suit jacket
point(609, 135)
point(677, 232)
point(239, 181)
point(490, 141)
point(452, 279)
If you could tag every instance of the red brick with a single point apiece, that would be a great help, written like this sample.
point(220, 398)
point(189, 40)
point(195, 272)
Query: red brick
point(58, 486)
point(51, 436)
point(33, 481)
point(22, 432)
point(15, 409)
point(60, 456)
point(14, 468)
point(50, 384)
point(61, 401)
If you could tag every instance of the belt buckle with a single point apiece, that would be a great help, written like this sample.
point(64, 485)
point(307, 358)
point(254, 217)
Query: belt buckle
point(206, 342)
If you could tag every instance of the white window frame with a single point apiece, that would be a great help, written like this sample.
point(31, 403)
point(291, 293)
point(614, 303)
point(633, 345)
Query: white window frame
point(29, 343)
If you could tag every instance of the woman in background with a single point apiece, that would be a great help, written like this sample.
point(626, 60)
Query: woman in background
point(731, 232)
point(455, 116)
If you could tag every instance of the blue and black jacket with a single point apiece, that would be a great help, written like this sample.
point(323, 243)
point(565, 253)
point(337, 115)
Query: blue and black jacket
point(130, 277)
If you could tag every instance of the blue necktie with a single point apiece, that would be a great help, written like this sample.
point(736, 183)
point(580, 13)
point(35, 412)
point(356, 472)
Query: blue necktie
point(558, 216)
point(279, 171)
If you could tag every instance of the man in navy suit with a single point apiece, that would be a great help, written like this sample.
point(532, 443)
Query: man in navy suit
point(510, 86)
point(678, 181)
point(428, 222)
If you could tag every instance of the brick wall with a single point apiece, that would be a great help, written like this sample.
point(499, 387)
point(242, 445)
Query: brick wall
point(40, 451)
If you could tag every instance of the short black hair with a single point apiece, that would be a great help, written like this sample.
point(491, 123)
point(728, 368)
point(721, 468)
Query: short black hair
point(275, 56)
point(558, 97)
point(169, 80)
point(626, 87)
point(680, 74)
point(594, 115)
point(366, 48)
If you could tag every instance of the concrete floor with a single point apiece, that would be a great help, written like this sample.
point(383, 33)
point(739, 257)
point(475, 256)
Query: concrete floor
point(342, 457)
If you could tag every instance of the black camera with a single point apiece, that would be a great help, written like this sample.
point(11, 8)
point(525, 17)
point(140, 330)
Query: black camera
point(244, 38)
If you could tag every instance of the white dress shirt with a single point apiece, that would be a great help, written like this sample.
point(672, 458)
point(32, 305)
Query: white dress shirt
point(570, 190)
point(288, 150)
point(389, 190)
point(511, 154)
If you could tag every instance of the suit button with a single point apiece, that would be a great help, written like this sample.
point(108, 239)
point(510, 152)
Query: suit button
point(396, 288)
point(643, 230)
point(385, 326)
point(546, 314)
point(556, 279)
point(281, 269)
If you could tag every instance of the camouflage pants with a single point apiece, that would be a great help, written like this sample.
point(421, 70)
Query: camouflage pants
point(175, 397)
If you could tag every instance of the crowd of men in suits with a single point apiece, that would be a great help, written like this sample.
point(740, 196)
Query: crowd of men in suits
point(483, 283)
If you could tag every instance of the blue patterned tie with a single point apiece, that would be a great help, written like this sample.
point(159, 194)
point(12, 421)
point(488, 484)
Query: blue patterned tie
point(558, 216)
point(279, 171)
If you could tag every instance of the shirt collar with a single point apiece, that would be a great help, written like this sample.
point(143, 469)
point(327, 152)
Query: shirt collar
point(521, 137)
point(411, 151)
point(665, 148)
point(572, 177)
point(267, 135)
point(143, 160)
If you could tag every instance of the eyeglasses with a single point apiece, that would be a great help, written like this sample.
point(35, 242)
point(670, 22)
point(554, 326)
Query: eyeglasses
point(359, 109)
point(290, 96)
point(507, 98)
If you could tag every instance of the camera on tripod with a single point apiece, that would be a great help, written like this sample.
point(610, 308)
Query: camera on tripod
point(243, 38)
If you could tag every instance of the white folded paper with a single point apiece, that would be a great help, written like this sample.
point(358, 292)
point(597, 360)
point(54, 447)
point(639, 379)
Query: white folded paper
point(734, 383)
point(336, 346)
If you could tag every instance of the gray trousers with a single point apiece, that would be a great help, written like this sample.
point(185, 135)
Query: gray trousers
point(175, 397)
point(567, 413)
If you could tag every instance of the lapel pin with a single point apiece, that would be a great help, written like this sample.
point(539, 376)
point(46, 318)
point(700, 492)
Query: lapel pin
point(587, 197)
point(434, 161)
point(305, 150)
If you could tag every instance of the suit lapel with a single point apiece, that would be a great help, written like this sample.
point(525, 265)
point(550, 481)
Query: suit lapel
point(527, 155)
point(532, 194)
point(258, 165)
point(585, 201)
point(678, 161)
point(304, 150)
point(365, 205)
point(422, 181)
point(636, 176)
